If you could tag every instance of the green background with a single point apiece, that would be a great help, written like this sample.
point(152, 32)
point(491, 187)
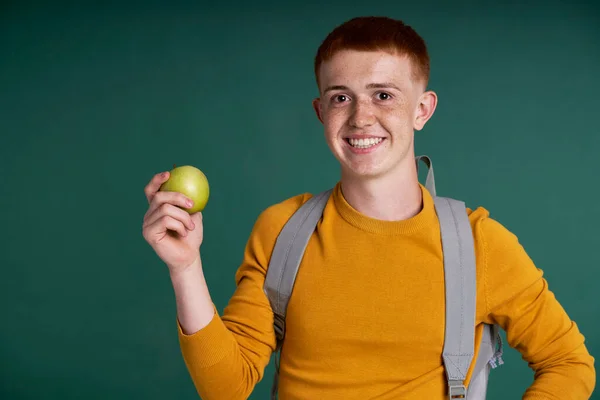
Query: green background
point(97, 97)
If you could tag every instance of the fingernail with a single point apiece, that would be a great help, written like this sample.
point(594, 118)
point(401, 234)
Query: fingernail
point(189, 203)
point(164, 174)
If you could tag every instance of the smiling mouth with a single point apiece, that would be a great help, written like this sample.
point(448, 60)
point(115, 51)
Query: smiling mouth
point(364, 143)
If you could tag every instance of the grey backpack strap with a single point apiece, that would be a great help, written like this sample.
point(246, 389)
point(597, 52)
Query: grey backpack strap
point(430, 180)
point(285, 261)
point(459, 271)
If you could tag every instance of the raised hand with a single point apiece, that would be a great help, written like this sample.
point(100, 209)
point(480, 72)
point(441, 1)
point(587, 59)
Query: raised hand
point(174, 234)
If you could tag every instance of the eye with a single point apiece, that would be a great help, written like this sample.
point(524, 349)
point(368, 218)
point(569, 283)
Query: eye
point(383, 96)
point(340, 98)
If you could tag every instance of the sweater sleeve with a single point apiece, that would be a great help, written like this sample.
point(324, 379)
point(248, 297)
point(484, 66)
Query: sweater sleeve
point(518, 299)
point(227, 358)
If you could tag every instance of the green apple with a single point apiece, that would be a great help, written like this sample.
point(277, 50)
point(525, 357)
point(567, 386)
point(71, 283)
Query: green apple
point(191, 182)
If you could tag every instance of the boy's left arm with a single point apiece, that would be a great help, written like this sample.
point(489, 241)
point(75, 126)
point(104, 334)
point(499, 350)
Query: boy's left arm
point(518, 299)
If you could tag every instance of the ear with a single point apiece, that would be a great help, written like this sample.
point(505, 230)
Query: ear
point(425, 108)
point(317, 107)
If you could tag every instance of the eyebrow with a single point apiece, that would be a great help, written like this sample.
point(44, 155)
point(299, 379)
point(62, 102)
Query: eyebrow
point(385, 85)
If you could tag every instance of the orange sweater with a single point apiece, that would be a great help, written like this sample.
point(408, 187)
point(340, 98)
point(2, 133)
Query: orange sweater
point(366, 318)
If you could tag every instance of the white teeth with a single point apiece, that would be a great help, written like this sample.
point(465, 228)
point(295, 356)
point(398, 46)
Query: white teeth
point(364, 143)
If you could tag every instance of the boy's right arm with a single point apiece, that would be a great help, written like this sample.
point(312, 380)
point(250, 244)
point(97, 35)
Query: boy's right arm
point(225, 355)
point(176, 237)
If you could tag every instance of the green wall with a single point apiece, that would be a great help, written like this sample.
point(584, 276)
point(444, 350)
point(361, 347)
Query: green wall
point(96, 99)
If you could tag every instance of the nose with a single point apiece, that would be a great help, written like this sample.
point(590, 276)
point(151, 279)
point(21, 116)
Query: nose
point(362, 115)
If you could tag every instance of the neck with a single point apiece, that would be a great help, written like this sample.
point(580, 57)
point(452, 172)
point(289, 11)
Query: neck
point(394, 197)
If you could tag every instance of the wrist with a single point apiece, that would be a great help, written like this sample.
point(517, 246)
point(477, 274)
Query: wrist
point(182, 273)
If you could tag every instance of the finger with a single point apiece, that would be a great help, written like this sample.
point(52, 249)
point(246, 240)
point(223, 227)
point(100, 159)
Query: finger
point(166, 197)
point(154, 184)
point(197, 217)
point(164, 223)
point(172, 211)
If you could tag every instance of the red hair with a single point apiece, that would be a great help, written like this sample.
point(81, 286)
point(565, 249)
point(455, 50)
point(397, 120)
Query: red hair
point(377, 34)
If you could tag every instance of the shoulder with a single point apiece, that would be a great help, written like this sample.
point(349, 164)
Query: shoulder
point(487, 229)
point(276, 215)
point(270, 222)
point(266, 229)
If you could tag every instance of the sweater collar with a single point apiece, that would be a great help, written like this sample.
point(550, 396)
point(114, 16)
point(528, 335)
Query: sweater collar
point(424, 218)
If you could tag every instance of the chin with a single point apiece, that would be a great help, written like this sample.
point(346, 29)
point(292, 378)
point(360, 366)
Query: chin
point(362, 172)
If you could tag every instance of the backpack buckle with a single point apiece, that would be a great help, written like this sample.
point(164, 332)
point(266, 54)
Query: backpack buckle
point(457, 390)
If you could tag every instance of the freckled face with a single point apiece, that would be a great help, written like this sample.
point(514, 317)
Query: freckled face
point(369, 106)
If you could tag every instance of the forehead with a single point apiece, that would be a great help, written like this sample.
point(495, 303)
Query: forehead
point(357, 68)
